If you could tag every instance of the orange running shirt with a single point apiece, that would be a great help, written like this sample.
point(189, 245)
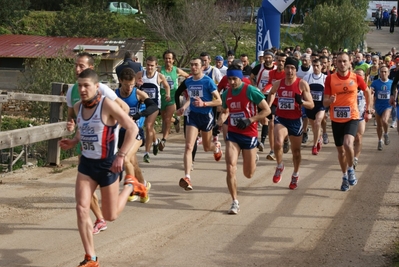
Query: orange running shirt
point(345, 88)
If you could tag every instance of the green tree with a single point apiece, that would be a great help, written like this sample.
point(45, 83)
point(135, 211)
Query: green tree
point(186, 29)
point(11, 12)
point(83, 21)
point(336, 26)
point(40, 73)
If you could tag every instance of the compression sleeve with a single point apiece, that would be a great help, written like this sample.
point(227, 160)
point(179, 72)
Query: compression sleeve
point(178, 93)
point(150, 108)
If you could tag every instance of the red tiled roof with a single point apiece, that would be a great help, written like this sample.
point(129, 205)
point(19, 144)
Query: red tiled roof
point(29, 46)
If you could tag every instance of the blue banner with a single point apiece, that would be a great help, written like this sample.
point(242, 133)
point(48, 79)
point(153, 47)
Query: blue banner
point(268, 26)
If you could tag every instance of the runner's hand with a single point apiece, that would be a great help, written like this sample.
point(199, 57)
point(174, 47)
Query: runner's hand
point(243, 123)
point(298, 99)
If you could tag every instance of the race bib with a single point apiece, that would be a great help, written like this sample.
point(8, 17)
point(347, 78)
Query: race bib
point(133, 110)
point(383, 95)
point(263, 83)
point(235, 116)
point(286, 103)
point(317, 95)
point(151, 92)
point(195, 92)
point(342, 112)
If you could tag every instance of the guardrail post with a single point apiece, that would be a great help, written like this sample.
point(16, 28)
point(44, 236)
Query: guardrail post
point(56, 115)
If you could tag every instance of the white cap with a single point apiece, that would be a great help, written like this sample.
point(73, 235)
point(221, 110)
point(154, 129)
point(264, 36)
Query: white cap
point(260, 53)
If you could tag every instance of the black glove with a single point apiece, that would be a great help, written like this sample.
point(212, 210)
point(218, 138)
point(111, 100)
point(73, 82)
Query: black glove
point(298, 99)
point(243, 123)
point(136, 116)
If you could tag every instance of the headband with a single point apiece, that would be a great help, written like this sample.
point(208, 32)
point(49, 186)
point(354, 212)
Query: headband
point(268, 53)
point(235, 73)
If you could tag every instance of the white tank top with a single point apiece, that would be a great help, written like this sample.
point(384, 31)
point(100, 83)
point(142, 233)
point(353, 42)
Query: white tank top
point(98, 140)
point(152, 88)
point(263, 77)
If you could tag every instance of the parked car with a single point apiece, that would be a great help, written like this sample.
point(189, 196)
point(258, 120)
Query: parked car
point(121, 8)
point(243, 13)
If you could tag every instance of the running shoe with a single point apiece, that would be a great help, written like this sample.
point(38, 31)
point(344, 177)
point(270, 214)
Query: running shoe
point(146, 198)
point(271, 156)
point(217, 154)
point(155, 147)
point(318, 145)
point(394, 124)
point(355, 162)
point(162, 144)
point(177, 124)
point(146, 158)
point(294, 182)
point(277, 175)
point(286, 146)
point(99, 225)
point(345, 184)
point(325, 138)
point(352, 177)
point(138, 188)
point(386, 139)
point(314, 150)
point(88, 262)
point(375, 123)
point(379, 145)
point(133, 198)
point(235, 208)
point(261, 146)
point(305, 137)
point(199, 140)
point(186, 184)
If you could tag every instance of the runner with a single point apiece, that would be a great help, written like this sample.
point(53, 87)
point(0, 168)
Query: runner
point(134, 98)
point(85, 61)
point(293, 92)
point(149, 81)
point(316, 115)
point(382, 90)
point(240, 105)
point(340, 94)
point(100, 165)
point(361, 104)
point(168, 108)
point(203, 96)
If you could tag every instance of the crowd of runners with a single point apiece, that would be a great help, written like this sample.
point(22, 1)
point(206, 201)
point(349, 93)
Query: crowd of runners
point(231, 109)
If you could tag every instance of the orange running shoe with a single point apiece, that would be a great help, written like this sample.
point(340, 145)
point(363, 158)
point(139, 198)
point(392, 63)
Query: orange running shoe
point(138, 188)
point(88, 262)
point(186, 184)
point(217, 154)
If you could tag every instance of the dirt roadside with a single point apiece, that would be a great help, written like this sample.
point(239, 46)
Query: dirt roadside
point(315, 225)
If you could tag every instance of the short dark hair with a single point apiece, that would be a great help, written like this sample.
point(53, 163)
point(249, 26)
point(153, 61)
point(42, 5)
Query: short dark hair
point(205, 54)
point(89, 73)
point(128, 55)
point(127, 74)
point(243, 55)
point(152, 58)
point(89, 57)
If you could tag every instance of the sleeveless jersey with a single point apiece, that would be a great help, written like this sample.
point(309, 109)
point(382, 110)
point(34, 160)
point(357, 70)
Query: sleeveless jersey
point(345, 107)
point(240, 107)
point(263, 77)
point(171, 77)
point(151, 87)
point(316, 85)
point(302, 73)
point(286, 106)
point(134, 105)
point(98, 141)
point(361, 103)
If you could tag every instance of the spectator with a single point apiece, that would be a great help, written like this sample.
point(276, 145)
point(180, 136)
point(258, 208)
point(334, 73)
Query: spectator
point(393, 17)
point(385, 18)
point(378, 17)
